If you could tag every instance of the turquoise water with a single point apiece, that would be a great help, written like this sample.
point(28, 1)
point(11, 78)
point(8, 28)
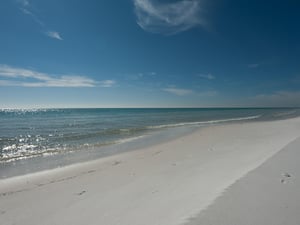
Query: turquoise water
point(44, 133)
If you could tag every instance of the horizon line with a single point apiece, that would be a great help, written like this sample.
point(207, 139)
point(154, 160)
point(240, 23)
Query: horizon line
point(144, 107)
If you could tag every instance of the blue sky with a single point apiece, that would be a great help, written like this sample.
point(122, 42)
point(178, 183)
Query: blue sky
point(149, 53)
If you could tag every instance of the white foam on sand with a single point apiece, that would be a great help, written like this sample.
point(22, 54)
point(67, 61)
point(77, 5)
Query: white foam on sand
point(163, 184)
point(204, 122)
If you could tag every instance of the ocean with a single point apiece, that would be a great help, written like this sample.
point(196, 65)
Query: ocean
point(38, 139)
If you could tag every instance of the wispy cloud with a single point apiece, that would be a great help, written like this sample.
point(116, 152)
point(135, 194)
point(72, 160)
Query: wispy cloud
point(32, 15)
point(63, 81)
point(277, 99)
point(207, 93)
point(140, 76)
point(23, 2)
point(107, 83)
point(30, 78)
point(253, 65)
point(54, 34)
point(26, 8)
point(207, 76)
point(178, 91)
point(168, 18)
point(152, 73)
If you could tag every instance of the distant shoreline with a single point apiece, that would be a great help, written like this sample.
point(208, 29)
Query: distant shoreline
point(220, 107)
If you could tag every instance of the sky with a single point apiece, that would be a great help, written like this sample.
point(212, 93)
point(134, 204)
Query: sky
point(149, 53)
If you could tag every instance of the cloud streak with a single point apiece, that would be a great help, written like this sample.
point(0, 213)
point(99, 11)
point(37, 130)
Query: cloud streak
point(26, 9)
point(54, 34)
point(107, 83)
point(178, 91)
point(24, 2)
point(253, 65)
point(33, 16)
point(207, 94)
point(30, 78)
point(207, 76)
point(168, 18)
point(278, 99)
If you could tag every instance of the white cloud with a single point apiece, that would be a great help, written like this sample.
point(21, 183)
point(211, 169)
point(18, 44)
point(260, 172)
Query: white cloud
point(178, 91)
point(20, 77)
point(54, 34)
point(13, 72)
point(207, 76)
point(168, 18)
point(63, 81)
point(277, 99)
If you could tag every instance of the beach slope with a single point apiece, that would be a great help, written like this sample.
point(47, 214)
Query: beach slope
point(268, 195)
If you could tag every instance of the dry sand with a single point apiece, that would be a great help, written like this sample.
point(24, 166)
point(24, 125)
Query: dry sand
point(166, 184)
point(268, 195)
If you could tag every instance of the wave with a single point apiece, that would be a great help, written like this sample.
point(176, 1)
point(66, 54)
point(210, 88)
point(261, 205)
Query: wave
point(288, 113)
point(204, 122)
point(13, 152)
point(125, 140)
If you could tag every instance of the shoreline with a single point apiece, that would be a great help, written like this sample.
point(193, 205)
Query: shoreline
point(167, 183)
point(171, 132)
point(76, 158)
point(42, 163)
point(78, 135)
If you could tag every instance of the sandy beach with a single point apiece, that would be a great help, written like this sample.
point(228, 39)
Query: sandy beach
point(267, 195)
point(199, 178)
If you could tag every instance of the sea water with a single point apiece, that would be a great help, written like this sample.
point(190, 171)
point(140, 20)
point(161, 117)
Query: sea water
point(37, 139)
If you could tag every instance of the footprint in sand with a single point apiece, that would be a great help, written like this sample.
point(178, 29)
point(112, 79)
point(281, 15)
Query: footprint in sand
point(116, 163)
point(81, 193)
point(286, 177)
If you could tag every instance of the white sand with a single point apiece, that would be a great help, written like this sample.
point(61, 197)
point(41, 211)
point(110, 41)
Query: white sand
point(268, 195)
point(160, 185)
